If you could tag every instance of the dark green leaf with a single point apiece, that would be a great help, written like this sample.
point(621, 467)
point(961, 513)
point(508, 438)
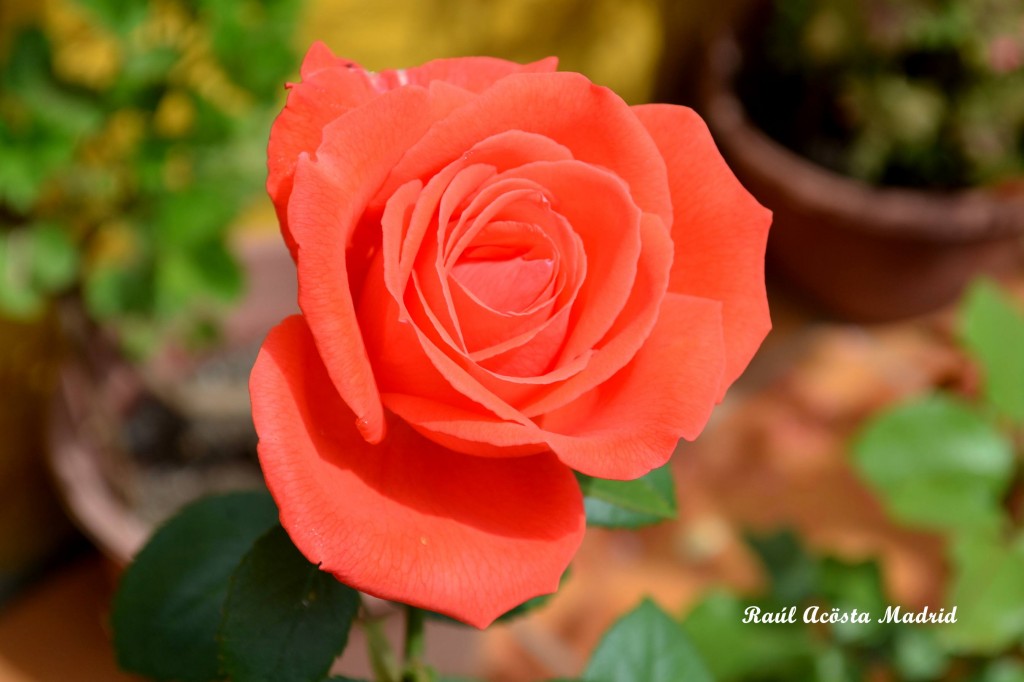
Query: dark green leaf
point(118, 289)
point(937, 464)
point(285, 620)
point(854, 587)
point(221, 276)
point(55, 107)
point(993, 330)
point(793, 572)
point(168, 606)
point(33, 155)
point(988, 592)
point(646, 645)
point(646, 500)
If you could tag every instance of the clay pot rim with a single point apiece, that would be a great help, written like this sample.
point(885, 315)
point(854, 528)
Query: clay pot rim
point(936, 216)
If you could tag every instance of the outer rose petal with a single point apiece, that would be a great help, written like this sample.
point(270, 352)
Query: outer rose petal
point(331, 86)
point(358, 151)
point(474, 73)
point(406, 520)
point(720, 231)
point(328, 90)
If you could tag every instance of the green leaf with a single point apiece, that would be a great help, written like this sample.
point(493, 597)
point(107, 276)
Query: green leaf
point(993, 331)
point(168, 606)
point(285, 620)
point(36, 261)
point(18, 297)
point(646, 645)
point(629, 504)
point(192, 217)
point(253, 41)
point(988, 592)
point(850, 587)
point(937, 464)
point(918, 654)
point(1003, 670)
point(833, 665)
point(118, 15)
point(794, 574)
point(204, 272)
point(117, 289)
point(54, 257)
point(605, 515)
point(734, 650)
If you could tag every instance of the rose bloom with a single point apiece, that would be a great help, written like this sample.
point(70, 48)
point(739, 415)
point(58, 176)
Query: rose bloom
point(505, 274)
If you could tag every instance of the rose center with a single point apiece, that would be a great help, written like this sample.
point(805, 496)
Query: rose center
point(509, 267)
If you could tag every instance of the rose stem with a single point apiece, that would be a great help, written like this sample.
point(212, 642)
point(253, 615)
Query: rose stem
point(415, 670)
point(385, 667)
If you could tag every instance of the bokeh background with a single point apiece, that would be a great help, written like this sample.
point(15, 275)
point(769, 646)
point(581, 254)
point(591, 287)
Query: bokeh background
point(140, 266)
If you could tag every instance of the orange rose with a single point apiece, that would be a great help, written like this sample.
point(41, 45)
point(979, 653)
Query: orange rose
point(505, 274)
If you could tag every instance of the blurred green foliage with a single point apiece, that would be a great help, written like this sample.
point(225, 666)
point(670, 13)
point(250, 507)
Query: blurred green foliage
point(949, 464)
point(904, 92)
point(132, 135)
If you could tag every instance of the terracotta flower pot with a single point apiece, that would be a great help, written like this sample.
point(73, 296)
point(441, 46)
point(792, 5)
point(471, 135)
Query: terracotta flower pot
point(104, 487)
point(863, 253)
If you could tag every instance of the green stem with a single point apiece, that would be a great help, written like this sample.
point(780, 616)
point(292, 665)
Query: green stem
point(415, 669)
point(385, 667)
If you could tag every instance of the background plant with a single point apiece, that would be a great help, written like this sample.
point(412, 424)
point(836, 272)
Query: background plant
point(950, 463)
point(906, 92)
point(133, 136)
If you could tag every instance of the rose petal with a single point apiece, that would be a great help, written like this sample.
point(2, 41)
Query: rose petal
point(629, 330)
point(467, 431)
point(355, 157)
point(407, 354)
point(328, 89)
point(622, 429)
point(720, 231)
point(632, 422)
point(475, 74)
point(406, 520)
point(591, 121)
point(598, 207)
point(402, 361)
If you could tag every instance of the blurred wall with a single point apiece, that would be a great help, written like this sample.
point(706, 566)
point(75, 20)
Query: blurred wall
point(616, 43)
